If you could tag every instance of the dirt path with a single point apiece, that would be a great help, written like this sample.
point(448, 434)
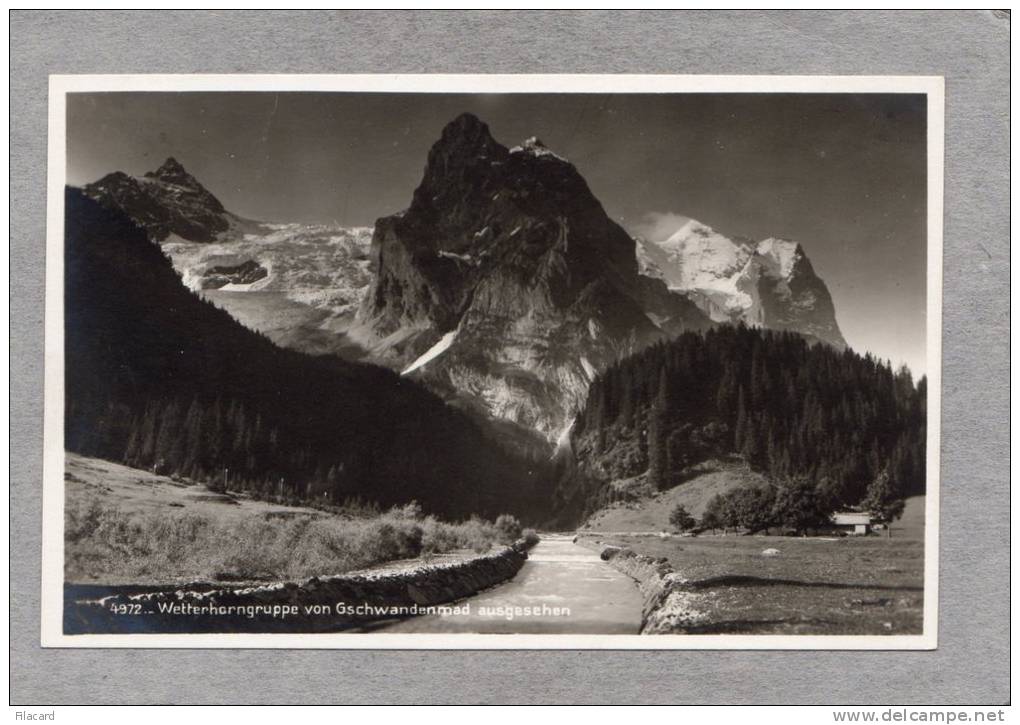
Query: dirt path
point(567, 588)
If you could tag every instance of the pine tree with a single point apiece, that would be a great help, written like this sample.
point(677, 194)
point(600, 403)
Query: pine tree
point(726, 398)
point(740, 429)
point(658, 452)
point(884, 501)
point(680, 519)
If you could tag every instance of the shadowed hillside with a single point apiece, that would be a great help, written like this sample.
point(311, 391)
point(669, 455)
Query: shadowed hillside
point(159, 378)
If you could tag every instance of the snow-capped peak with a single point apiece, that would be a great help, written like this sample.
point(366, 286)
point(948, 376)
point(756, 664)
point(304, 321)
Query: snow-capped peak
point(739, 279)
point(688, 228)
point(695, 232)
point(696, 255)
point(784, 252)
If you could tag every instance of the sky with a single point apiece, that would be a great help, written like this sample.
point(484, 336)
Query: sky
point(844, 174)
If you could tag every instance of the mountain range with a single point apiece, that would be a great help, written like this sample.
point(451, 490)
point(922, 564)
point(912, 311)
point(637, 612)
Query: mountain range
point(768, 283)
point(159, 378)
point(504, 285)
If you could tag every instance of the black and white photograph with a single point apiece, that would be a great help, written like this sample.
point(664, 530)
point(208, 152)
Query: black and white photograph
point(493, 362)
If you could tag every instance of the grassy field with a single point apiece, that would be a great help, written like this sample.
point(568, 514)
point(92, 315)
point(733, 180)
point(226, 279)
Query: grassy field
point(127, 526)
point(815, 585)
point(652, 513)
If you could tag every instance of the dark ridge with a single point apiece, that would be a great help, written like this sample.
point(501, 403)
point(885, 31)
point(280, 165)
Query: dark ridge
point(159, 378)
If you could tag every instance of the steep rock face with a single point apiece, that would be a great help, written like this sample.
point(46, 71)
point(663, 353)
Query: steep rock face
point(167, 201)
point(244, 273)
point(769, 284)
point(507, 261)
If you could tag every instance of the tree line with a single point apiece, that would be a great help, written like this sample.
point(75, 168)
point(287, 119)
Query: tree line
point(159, 378)
point(792, 410)
point(794, 505)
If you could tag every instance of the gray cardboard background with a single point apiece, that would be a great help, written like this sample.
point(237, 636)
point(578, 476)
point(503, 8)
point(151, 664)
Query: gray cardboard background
point(970, 48)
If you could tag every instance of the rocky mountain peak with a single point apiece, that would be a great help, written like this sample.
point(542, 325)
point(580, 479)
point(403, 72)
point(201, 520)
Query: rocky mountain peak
point(457, 170)
point(505, 280)
point(465, 141)
point(167, 201)
point(172, 170)
point(467, 130)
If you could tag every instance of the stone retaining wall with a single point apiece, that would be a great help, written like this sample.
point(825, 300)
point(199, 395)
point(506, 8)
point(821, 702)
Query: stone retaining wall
point(670, 607)
point(326, 604)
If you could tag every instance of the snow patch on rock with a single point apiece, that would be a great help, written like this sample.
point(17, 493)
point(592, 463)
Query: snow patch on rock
point(536, 148)
point(783, 252)
point(432, 353)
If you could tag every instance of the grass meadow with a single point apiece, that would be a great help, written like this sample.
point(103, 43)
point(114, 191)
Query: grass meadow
point(126, 526)
point(813, 585)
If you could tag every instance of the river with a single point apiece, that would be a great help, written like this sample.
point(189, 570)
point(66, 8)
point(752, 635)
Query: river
point(563, 588)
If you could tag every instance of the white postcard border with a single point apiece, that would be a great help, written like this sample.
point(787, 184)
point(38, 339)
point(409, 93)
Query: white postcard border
point(53, 441)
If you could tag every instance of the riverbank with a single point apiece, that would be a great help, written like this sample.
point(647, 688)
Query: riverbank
point(326, 604)
point(772, 585)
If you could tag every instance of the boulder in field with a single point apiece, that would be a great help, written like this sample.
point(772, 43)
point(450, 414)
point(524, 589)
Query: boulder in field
point(609, 552)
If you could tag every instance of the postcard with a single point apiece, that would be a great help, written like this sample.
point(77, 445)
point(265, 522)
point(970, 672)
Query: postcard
point(483, 361)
